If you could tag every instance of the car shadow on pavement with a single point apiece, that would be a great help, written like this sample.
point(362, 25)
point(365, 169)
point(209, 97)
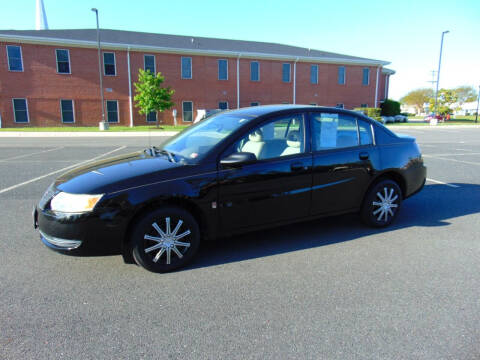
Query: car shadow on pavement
point(434, 206)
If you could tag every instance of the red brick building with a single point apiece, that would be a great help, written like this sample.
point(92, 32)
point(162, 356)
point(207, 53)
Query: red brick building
point(50, 77)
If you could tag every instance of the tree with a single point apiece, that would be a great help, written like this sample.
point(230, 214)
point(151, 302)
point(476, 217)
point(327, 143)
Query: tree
point(390, 108)
point(465, 94)
point(417, 98)
point(151, 96)
point(446, 98)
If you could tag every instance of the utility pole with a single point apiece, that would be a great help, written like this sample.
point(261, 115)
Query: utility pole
point(102, 124)
point(438, 72)
point(478, 100)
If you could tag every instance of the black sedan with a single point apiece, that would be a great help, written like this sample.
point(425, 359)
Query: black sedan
point(233, 172)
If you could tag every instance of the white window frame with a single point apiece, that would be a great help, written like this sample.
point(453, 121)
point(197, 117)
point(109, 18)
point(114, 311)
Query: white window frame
point(344, 75)
point(8, 60)
point(255, 61)
point(368, 77)
point(226, 102)
point(218, 69)
point(73, 111)
point(118, 112)
point(191, 68)
point(316, 80)
point(151, 122)
point(114, 62)
point(289, 73)
point(14, 112)
point(154, 63)
point(69, 63)
point(183, 112)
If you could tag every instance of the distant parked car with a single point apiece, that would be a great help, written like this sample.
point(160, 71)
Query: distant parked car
point(401, 118)
point(432, 116)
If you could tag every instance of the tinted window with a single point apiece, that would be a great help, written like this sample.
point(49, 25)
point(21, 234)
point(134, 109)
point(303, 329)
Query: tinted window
point(14, 54)
point(365, 132)
point(341, 75)
point(63, 61)
point(112, 111)
point(332, 130)
point(366, 76)
point(314, 74)
point(286, 72)
point(149, 63)
point(282, 136)
point(152, 116)
point(223, 105)
point(186, 68)
point(222, 70)
point(254, 71)
point(20, 110)
point(66, 107)
point(109, 63)
point(187, 108)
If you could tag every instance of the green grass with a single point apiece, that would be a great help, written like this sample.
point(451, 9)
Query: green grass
point(113, 128)
point(467, 120)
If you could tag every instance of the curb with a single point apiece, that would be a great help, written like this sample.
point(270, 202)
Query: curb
point(27, 134)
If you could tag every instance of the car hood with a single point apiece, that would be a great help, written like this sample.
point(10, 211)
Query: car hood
point(116, 173)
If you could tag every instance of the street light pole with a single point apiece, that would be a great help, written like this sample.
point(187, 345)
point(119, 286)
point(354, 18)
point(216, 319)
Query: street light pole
point(478, 101)
point(100, 67)
point(438, 72)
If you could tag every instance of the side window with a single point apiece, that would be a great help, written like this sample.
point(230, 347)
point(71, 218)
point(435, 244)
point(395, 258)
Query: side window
point(279, 137)
point(365, 132)
point(333, 131)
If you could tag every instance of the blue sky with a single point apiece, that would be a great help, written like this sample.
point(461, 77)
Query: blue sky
point(406, 33)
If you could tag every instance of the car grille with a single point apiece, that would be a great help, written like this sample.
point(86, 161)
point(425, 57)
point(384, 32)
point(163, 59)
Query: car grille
point(49, 194)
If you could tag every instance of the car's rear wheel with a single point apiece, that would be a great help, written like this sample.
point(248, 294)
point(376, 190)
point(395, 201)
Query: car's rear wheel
point(382, 203)
point(165, 239)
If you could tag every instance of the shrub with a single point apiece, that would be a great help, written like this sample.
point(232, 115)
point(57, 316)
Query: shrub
point(390, 108)
point(373, 113)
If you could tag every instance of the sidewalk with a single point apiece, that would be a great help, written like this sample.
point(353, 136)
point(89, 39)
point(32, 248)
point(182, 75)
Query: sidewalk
point(11, 134)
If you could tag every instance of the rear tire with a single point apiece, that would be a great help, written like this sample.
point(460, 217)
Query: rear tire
point(165, 239)
point(382, 204)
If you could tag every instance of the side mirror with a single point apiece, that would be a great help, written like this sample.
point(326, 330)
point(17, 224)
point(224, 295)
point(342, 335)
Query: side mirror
point(238, 159)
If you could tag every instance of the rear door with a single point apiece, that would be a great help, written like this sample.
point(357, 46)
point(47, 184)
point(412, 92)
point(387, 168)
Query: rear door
point(344, 157)
point(277, 187)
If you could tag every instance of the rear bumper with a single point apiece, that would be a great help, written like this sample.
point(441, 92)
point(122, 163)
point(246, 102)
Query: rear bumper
point(416, 177)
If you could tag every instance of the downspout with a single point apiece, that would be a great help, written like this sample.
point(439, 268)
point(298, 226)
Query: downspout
point(387, 78)
point(129, 88)
point(295, 81)
point(238, 81)
point(376, 87)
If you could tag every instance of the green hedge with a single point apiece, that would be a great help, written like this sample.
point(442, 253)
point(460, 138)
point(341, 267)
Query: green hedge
point(373, 113)
point(390, 108)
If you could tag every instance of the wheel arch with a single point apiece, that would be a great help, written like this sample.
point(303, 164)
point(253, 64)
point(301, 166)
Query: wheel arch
point(388, 175)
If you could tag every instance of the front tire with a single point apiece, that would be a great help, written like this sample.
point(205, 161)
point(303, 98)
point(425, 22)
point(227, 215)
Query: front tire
point(382, 204)
point(165, 239)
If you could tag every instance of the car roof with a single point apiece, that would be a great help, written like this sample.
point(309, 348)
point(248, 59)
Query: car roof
point(260, 110)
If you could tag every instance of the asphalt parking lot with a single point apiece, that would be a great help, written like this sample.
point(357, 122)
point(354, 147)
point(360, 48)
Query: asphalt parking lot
point(328, 289)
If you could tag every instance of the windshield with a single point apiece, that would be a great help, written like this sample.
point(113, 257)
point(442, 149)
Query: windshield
point(195, 142)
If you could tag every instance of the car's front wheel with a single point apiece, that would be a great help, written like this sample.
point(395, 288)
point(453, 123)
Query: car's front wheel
point(165, 239)
point(382, 203)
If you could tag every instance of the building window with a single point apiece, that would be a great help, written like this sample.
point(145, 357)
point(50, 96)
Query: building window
point(186, 67)
point(149, 63)
point(187, 109)
point(112, 111)
point(222, 69)
point(152, 116)
point(20, 110)
point(340, 106)
point(63, 61)
point(254, 71)
point(341, 75)
point(286, 72)
point(313, 104)
point(14, 54)
point(66, 108)
point(254, 104)
point(364, 105)
point(366, 76)
point(313, 74)
point(109, 64)
point(223, 105)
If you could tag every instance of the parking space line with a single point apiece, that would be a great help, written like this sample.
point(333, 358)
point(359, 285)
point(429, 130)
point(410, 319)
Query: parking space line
point(60, 170)
point(454, 154)
point(442, 183)
point(26, 155)
point(454, 160)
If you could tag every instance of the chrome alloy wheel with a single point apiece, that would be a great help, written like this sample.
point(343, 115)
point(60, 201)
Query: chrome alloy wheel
point(167, 242)
point(384, 204)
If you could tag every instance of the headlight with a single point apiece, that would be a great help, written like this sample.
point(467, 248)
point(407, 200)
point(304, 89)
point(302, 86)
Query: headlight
point(74, 203)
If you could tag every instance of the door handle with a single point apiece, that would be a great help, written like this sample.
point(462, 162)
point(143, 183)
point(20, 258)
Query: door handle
point(363, 155)
point(296, 166)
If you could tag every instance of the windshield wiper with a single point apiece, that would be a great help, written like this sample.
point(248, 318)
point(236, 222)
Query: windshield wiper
point(155, 150)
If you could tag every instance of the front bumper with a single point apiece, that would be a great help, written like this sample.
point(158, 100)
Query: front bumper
point(80, 234)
